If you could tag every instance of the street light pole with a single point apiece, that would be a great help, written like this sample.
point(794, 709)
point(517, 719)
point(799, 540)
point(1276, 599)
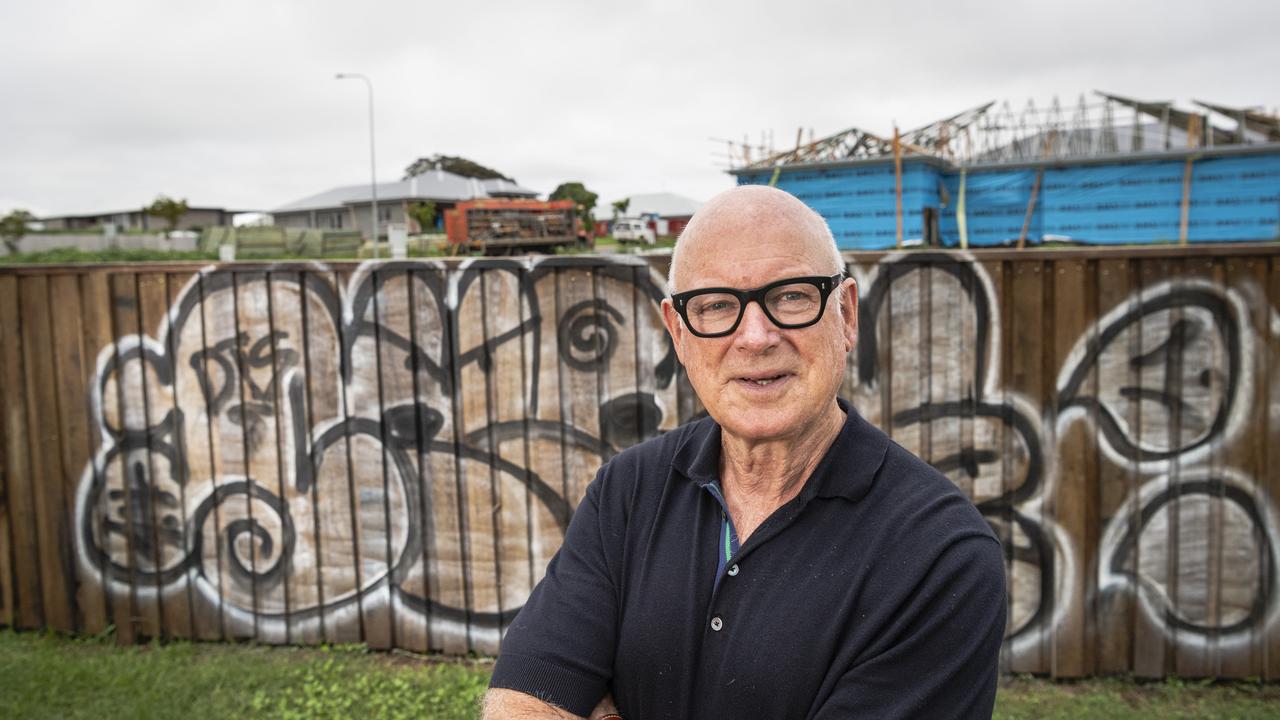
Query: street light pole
point(373, 166)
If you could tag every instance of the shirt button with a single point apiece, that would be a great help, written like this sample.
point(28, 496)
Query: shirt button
point(733, 570)
point(716, 623)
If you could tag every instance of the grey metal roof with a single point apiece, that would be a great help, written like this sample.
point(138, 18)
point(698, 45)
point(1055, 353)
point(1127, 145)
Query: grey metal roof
point(500, 186)
point(663, 204)
point(431, 185)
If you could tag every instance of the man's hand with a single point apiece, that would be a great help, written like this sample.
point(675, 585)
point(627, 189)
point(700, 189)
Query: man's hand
point(604, 707)
point(503, 704)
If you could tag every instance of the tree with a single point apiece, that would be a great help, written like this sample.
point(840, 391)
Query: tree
point(425, 214)
point(456, 165)
point(169, 210)
point(582, 197)
point(13, 227)
point(620, 207)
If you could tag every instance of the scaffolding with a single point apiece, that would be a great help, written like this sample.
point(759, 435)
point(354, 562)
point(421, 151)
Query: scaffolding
point(1103, 126)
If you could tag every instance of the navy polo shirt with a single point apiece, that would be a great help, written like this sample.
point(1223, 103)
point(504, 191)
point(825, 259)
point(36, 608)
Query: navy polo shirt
point(877, 592)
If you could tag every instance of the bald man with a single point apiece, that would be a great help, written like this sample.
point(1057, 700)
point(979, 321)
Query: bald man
point(781, 558)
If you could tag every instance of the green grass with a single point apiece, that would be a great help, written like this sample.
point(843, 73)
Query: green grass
point(46, 676)
point(1125, 698)
point(62, 256)
point(43, 675)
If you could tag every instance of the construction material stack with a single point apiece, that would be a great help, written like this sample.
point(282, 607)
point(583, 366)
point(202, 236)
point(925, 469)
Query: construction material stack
point(512, 226)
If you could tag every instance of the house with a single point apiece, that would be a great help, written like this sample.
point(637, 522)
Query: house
point(348, 207)
point(195, 218)
point(667, 213)
point(1119, 172)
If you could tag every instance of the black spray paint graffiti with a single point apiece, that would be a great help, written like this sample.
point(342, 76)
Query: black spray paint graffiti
point(285, 427)
point(310, 430)
point(1175, 357)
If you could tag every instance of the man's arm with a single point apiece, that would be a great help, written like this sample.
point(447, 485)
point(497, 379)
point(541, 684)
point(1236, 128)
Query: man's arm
point(944, 657)
point(558, 651)
point(502, 704)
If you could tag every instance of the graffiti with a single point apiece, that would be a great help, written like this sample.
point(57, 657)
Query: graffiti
point(1002, 460)
point(1166, 377)
point(297, 450)
point(315, 455)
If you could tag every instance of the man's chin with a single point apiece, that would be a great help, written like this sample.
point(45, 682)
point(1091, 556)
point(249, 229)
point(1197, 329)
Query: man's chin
point(760, 425)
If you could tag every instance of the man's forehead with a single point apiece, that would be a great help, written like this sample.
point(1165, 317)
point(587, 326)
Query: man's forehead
point(733, 248)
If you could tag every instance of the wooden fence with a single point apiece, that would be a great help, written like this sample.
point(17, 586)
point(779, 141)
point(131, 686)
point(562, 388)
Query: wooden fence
point(389, 452)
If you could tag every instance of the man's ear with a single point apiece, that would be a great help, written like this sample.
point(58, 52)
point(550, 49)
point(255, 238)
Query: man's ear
point(675, 328)
point(849, 304)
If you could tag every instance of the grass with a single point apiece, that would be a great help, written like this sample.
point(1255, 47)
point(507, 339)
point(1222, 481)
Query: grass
point(47, 676)
point(1126, 698)
point(606, 244)
point(44, 675)
point(67, 256)
point(61, 256)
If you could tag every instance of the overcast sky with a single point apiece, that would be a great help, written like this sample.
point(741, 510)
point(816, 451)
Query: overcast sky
point(234, 103)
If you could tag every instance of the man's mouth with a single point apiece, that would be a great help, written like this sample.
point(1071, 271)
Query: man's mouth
point(762, 380)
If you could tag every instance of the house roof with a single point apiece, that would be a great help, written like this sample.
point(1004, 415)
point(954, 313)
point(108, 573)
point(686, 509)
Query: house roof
point(431, 185)
point(662, 204)
point(131, 211)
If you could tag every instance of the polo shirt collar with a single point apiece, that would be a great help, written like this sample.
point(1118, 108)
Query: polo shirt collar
point(847, 470)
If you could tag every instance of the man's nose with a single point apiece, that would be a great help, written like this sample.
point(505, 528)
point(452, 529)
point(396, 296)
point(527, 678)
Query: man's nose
point(756, 329)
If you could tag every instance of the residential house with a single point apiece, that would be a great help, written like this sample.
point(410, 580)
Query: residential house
point(195, 218)
point(666, 213)
point(349, 207)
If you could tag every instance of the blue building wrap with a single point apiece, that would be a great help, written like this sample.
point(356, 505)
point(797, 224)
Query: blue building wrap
point(1233, 197)
point(858, 201)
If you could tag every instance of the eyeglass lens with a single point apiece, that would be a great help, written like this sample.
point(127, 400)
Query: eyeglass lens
point(791, 304)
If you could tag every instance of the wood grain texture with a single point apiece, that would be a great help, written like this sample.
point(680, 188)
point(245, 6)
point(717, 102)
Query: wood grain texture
point(1115, 610)
point(1034, 562)
point(44, 446)
point(71, 368)
point(1071, 504)
point(390, 452)
point(26, 606)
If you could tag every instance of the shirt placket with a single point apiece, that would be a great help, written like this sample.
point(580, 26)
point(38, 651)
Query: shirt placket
point(727, 542)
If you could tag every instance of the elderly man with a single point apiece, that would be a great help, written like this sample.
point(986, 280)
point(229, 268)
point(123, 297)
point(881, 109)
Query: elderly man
point(781, 558)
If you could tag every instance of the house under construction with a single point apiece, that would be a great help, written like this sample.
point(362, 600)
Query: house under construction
point(1111, 171)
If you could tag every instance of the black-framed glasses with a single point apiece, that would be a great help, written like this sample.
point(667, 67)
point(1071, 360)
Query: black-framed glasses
point(791, 303)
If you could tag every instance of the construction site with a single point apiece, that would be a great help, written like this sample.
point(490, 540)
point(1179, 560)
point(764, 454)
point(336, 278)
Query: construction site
point(1109, 170)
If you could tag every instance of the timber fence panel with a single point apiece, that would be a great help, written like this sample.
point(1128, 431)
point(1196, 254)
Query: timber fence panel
point(190, 606)
point(369, 455)
point(1037, 562)
point(400, 421)
point(128, 486)
point(157, 482)
point(1269, 482)
point(71, 367)
point(390, 452)
point(44, 448)
point(1248, 589)
point(26, 607)
point(505, 441)
point(1115, 610)
point(1070, 501)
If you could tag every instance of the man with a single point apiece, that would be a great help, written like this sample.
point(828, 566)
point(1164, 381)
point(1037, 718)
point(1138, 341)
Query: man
point(781, 558)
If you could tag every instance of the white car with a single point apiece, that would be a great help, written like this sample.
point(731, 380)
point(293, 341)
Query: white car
point(633, 229)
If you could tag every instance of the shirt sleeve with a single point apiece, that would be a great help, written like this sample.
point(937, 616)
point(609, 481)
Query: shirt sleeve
point(560, 647)
point(945, 660)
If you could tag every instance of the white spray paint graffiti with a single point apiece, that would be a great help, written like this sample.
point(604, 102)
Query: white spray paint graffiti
point(303, 453)
point(297, 477)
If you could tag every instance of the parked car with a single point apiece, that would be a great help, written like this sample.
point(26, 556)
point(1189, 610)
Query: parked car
point(633, 230)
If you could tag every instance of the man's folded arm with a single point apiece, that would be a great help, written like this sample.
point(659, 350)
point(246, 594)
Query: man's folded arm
point(558, 652)
point(944, 661)
point(504, 704)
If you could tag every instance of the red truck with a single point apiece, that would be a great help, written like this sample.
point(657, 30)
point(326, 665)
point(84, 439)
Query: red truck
point(502, 226)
